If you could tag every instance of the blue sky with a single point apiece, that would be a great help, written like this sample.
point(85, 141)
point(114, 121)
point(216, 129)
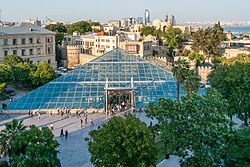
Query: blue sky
point(101, 10)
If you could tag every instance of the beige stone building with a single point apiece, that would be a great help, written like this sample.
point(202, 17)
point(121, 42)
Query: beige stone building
point(29, 42)
point(141, 49)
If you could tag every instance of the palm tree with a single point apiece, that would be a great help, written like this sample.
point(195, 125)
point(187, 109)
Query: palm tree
point(178, 70)
point(191, 82)
point(11, 131)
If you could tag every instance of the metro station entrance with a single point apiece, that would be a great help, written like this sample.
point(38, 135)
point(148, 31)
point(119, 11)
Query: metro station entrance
point(119, 100)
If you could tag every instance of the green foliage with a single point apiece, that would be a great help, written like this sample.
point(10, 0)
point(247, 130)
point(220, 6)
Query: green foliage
point(8, 135)
point(35, 147)
point(4, 106)
point(185, 53)
point(172, 38)
point(208, 40)
point(58, 28)
point(237, 149)
point(81, 26)
point(12, 60)
point(2, 87)
point(233, 83)
point(43, 74)
point(178, 70)
point(242, 58)
point(122, 142)
point(95, 23)
point(6, 74)
point(28, 146)
point(149, 30)
point(200, 58)
point(22, 73)
point(195, 125)
point(191, 83)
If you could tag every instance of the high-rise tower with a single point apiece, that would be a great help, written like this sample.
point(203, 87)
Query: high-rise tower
point(147, 17)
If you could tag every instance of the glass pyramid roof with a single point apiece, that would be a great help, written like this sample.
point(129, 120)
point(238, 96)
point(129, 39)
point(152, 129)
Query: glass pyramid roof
point(84, 87)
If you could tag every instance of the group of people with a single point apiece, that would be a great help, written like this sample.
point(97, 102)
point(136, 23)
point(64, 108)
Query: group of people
point(62, 111)
point(62, 134)
point(86, 121)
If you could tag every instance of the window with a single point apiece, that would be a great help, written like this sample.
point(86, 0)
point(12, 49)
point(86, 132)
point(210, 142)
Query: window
point(31, 40)
point(107, 40)
point(103, 40)
point(49, 50)
point(49, 61)
point(5, 53)
point(14, 42)
point(31, 61)
point(107, 46)
point(23, 52)
point(23, 41)
point(38, 51)
point(5, 42)
point(38, 40)
point(31, 51)
point(15, 52)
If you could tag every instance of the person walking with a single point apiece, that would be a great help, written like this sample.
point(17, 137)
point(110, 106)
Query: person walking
point(61, 133)
point(50, 113)
point(39, 116)
point(51, 127)
point(66, 134)
point(81, 123)
point(86, 120)
point(92, 122)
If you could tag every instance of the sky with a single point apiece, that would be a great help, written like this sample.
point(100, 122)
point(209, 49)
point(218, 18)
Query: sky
point(104, 10)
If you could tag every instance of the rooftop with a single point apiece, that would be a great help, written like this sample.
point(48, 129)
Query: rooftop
point(23, 28)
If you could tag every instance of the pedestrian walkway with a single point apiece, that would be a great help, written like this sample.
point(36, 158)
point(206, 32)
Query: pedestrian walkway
point(73, 150)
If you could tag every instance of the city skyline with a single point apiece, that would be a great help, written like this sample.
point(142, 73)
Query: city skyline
point(72, 11)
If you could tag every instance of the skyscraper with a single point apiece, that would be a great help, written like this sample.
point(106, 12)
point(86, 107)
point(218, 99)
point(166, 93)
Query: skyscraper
point(173, 21)
point(147, 17)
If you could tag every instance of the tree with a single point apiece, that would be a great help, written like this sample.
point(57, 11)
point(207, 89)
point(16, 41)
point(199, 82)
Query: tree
point(35, 147)
point(194, 128)
point(12, 60)
point(178, 70)
point(208, 40)
point(2, 87)
point(6, 74)
point(200, 58)
point(149, 30)
point(81, 26)
point(8, 135)
point(191, 83)
point(237, 149)
point(22, 73)
point(43, 74)
point(172, 38)
point(4, 106)
point(233, 83)
point(122, 142)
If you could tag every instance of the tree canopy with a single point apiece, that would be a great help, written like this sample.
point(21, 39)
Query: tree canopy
point(81, 26)
point(208, 40)
point(28, 146)
point(233, 83)
point(149, 30)
point(237, 149)
point(194, 128)
point(172, 38)
point(21, 73)
point(123, 142)
point(43, 74)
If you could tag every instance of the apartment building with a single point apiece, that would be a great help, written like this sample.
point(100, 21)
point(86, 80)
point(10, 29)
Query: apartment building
point(29, 42)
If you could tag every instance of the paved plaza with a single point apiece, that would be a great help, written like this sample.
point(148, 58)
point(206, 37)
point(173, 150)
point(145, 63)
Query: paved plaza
point(74, 150)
